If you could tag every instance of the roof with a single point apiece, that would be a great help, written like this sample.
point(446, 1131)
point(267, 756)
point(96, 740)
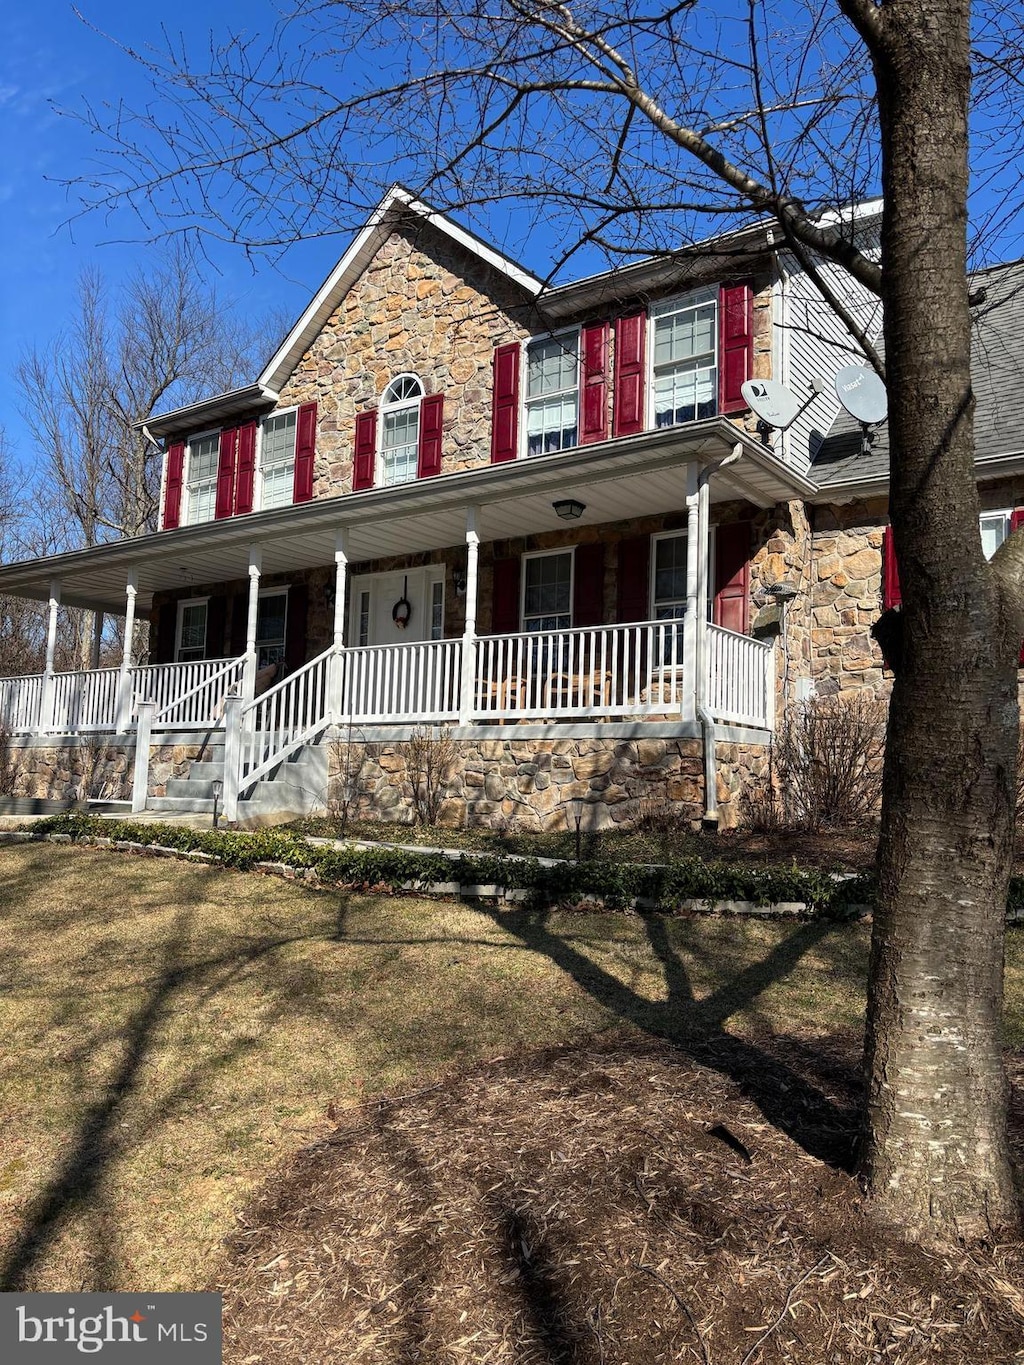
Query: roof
point(997, 367)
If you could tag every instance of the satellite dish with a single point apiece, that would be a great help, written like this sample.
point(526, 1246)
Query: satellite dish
point(772, 402)
point(862, 394)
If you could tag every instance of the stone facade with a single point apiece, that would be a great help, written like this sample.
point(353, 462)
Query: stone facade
point(541, 784)
point(83, 769)
point(846, 599)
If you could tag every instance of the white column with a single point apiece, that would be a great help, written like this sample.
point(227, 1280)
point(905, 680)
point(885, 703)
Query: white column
point(140, 780)
point(336, 676)
point(46, 716)
point(249, 676)
point(696, 580)
point(124, 682)
point(232, 756)
point(467, 698)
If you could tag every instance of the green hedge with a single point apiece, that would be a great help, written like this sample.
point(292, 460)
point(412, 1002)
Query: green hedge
point(617, 884)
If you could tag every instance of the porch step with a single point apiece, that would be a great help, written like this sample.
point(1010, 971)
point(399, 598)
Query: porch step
point(181, 805)
point(200, 788)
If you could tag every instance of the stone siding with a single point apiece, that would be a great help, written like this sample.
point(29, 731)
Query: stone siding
point(70, 772)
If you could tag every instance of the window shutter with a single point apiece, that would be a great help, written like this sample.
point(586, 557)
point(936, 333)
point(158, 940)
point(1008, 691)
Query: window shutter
point(634, 579)
point(239, 614)
point(216, 620)
point(628, 405)
point(505, 404)
point(594, 383)
point(172, 486)
point(165, 625)
point(735, 344)
point(365, 450)
point(246, 472)
point(891, 595)
point(305, 450)
point(588, 585)
point(732, 576)
point(505, 597)
point(296, 627)
point(226, 473)
point(431, 428)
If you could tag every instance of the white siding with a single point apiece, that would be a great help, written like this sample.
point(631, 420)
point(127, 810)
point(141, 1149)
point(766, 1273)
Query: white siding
point(814, 342)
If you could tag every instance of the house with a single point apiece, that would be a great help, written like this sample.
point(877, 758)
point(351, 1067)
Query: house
point(540, 519)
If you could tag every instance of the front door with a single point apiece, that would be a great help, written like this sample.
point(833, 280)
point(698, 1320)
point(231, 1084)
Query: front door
point(397, 608)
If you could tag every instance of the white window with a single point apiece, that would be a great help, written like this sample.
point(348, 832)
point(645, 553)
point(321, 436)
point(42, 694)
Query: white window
point(552, 393)
point(271, 625)
point(995, 527)
point(201, 484)
point(277, 459)
point(400, 430)
point(668, 578)
point(684, 358)
point(547, 591)
point(190, 644)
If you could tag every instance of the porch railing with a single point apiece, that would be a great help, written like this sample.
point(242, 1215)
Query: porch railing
point(83, 701)
point(284, 718)
point(20, 702)
point(188, 695)
point(741, 679)
point(400, 683)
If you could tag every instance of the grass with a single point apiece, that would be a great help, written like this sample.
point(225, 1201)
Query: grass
point(175, 1030)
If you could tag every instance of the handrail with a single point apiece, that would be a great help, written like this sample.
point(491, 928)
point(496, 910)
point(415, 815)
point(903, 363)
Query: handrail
point(231, 664)
point(284, 718)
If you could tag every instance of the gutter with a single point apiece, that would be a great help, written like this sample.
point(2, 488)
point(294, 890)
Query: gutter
point(709, 730)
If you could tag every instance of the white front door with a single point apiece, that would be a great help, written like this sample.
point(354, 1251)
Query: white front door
point(378, 610)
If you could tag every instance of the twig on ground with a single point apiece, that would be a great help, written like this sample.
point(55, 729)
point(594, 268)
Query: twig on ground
point(785, 1309)
point(649, 1270)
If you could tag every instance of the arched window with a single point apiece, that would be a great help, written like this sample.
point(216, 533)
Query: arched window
point(400, 429)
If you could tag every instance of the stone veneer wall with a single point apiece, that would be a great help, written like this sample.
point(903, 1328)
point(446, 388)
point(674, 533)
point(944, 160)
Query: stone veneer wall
point(530, 783)
point(84, 769)
point(846, 599)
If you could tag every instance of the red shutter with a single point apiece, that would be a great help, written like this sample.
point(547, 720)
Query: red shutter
point(431, 426)
point(1017, 520)
point(164, 628)
point(628, 405)
point(246, 471)
point(172, 486)
point(305, 450)
point(735, 344)
point(505, 403)
point(225, 503)
point(216, 621)
point(505, 597)
point(634, 591)
point(365, 450)
point(296, 627)
point(891, 596)
point(732, 576)
point(588, 585)
point(594, 383)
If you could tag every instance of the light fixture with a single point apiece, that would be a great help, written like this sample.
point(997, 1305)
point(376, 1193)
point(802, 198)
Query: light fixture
point(217, 786)
point(782, 592)
point(330, 593)
point(569, 509)
point(459, 579)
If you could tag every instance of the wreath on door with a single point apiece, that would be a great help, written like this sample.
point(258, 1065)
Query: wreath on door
point(402, 610)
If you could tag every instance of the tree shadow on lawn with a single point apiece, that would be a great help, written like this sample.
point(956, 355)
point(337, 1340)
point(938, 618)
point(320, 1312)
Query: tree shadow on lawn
point(788, 1097)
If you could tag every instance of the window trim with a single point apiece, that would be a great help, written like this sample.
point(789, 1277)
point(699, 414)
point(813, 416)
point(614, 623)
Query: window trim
point(213, 433)
point(184, 602)
point(692, 298)
point(1005, 512)
point(524, 398)
point(569, 550)
point(259, 502)
point(383, 410)
point(710, 576)
point(282, 590)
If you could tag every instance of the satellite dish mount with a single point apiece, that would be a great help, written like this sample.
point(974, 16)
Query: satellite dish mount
point(775, 408)
point(863, 395)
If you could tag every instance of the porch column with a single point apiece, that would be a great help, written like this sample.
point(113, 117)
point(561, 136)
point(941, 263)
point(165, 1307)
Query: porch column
point(694, 623)
point(336, 686)
point(124, 682)
point(249, 675)
point(467, 699)
point(46, 706)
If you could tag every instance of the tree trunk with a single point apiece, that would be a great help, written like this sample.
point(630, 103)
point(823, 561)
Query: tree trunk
point(936, 1085)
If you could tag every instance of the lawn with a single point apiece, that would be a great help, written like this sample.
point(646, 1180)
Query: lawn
point(175, 1031)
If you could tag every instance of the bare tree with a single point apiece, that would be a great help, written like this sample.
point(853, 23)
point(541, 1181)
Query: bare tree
point(630, 129)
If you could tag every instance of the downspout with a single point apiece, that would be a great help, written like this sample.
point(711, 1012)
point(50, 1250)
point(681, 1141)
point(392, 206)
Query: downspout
point(709, 730)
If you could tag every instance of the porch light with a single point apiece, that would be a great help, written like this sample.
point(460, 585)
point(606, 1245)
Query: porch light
point(218, 791)
point(569, 509)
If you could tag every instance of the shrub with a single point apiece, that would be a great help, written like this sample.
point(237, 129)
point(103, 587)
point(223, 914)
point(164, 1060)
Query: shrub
point(430, 759)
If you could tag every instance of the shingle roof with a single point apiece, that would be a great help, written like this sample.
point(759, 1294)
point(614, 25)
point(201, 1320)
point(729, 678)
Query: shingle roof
point(997, 368)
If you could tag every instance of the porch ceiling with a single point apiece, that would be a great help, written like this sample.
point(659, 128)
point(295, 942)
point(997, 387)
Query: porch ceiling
point(634, 477)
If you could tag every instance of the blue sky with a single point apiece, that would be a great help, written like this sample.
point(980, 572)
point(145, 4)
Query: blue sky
point(48, 56)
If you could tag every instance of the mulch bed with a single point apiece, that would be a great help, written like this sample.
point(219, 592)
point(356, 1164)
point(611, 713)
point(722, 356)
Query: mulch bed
point(607, 1204)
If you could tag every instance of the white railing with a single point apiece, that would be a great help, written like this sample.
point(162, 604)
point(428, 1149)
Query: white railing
point(84, 701)
point(187, 695)
point(400, 683)
point(276, 724)
point(20, 702)
point(741, 679)
point(603, 671)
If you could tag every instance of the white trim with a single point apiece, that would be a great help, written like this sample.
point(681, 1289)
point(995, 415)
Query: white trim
point(384, 409)
point(184, 515)
point(282, 590)
point(524, 399)
point(683, 534)
point(182, 603)
point(258, 502)
point(694, 298)
point(569, 550)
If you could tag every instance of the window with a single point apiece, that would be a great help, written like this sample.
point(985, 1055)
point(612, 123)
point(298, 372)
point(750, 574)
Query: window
point(547, 591)
point(203, 459)
point(669, 572)
point(277, 459)
point(271, 622)
point(364, 619)
point(191, 641)
point(552, 393)
point(995, 527)
point(400, 430)
point(684, 358)
point(437, 609)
